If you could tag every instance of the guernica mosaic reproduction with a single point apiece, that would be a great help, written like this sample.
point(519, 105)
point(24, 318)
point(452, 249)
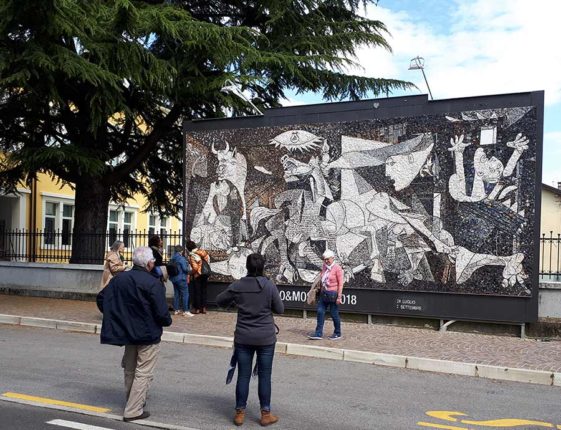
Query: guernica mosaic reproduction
point(441, 203)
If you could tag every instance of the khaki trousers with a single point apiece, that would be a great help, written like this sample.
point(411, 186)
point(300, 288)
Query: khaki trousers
point(138, 363)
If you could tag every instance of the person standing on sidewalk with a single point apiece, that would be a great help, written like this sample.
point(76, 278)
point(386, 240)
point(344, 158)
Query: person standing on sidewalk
point(199, 276)
point(256, 298)
point(156, 244)
point(329, 297)
point(134, 311)
point(114, 263)
point(179, 281)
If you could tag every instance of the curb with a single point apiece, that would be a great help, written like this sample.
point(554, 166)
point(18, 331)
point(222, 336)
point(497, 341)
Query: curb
point(501, 373)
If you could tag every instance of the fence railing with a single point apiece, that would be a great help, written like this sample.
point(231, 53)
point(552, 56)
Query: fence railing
point(550, 257)
point(47, 246)
point(54, 246)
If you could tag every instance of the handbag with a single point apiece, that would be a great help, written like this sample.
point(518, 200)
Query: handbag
point(164, 273)
point(314, 290)
point(329, 296)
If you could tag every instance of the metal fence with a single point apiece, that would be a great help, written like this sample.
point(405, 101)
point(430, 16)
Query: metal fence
point(550, 257)
point(54, 246)
point(48, 246)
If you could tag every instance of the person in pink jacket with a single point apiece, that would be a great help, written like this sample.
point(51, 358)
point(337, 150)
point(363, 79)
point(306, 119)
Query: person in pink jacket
point(330, 296)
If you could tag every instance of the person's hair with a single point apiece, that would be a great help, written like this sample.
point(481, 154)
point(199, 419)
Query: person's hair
point(116, 245)
point(255, 264)
point(328, 254)
point(190, 245)
point(178, 248)
point(142, 256)
point(154, 241)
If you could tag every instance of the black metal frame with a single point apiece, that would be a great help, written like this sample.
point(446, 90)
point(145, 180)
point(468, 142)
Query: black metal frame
point(416, 304)
point(29, 246)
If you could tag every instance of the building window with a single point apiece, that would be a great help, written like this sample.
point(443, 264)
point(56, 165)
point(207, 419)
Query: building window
point(50, 222)
point(113, 226)
point(58, 217)
point(120, 226)
point(157, 225)
point(127, 227)
point(67, 219)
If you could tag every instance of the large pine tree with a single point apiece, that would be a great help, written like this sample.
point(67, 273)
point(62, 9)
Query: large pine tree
point(93, 91)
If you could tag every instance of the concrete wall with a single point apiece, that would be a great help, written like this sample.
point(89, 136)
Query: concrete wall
point(82, 281)
point(53, 280)
point(550, 300)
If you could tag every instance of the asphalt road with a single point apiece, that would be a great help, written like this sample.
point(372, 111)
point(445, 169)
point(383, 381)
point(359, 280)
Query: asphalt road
point(15, 416)
point(189, 388)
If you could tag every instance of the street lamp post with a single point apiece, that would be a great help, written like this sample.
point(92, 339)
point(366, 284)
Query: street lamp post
point(418, 63)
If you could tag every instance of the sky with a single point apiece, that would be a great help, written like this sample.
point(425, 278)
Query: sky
point(472, 48)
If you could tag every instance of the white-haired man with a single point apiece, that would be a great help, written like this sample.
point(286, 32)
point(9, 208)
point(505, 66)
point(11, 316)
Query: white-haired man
point(134, 311)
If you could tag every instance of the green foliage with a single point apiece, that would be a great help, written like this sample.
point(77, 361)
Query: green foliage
point(95, 90)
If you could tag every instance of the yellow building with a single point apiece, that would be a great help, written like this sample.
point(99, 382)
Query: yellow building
point(550, 249)
point(551, 210)
point(48, 207)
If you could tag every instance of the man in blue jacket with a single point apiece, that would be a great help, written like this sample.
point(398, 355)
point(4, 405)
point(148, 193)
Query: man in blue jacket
point(134, 311)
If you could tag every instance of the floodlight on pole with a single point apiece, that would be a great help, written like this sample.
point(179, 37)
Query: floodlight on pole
point(418, 63)
point(232, 88)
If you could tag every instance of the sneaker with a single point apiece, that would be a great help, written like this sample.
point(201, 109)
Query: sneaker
point(334, 337)
point(187, 314)
point(314, 336)
point(177, 312)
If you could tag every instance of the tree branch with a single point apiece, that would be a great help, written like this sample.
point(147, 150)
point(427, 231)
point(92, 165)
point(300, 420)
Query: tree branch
point(150, 143)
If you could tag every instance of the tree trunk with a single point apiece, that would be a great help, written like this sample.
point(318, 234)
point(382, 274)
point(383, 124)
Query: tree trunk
point(90, 221)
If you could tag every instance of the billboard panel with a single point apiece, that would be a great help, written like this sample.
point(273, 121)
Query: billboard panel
point(426, 204)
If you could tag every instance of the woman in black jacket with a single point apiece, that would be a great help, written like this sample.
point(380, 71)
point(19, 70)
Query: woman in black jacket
point(256, 298)
point(156, 245)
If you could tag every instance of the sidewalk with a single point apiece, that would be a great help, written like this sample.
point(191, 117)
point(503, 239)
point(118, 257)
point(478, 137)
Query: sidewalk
point(497, 357)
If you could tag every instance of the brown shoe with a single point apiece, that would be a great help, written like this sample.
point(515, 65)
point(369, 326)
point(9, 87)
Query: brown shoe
point(142, 416)
point(196, 311)
point(239, 417)
point(203, 310)
point(267, 418)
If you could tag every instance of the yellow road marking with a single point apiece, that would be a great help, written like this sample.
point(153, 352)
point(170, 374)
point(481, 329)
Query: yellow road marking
point(509, 422)
point(48, 401)
point(501, 422)
point(445, 415)
point(439, 426)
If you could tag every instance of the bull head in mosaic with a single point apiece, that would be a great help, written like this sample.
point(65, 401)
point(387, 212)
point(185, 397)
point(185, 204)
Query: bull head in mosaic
point(232, 167)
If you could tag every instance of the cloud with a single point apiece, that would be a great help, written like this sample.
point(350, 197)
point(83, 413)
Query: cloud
point(552, 140)
point(477, 47)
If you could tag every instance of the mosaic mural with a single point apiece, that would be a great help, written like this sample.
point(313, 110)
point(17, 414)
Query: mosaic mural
point(434, 203)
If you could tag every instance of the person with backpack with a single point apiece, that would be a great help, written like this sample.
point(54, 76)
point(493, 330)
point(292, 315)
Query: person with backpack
point(199, 260)
point(178, 268)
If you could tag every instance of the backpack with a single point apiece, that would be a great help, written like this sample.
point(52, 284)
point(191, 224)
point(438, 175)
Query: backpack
point(172, 268)
point(205, 268)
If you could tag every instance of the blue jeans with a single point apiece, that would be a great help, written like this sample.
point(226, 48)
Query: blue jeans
point(265, 355)
point(334, 309)
point(180, 291)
